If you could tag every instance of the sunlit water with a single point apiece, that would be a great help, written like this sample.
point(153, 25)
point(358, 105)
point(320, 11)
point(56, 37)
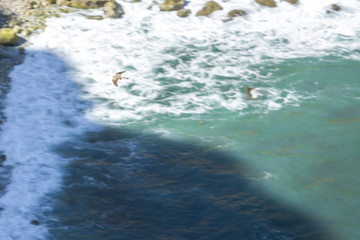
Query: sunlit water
point(178, 151)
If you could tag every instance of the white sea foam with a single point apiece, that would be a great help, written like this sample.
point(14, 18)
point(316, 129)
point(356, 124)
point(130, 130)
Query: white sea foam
point(176, 66)
point(42, 111)
point(182, 66)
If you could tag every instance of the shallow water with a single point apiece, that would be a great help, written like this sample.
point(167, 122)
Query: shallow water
point(178, 151)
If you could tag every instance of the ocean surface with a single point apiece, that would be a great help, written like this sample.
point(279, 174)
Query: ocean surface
point(178, 151)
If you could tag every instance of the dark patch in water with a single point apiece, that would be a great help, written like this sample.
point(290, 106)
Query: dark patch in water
point(5, 176)
point(35, 222)
point(128, 186)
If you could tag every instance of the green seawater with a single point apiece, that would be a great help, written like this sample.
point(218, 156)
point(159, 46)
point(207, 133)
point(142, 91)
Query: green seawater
point(312, 151)
point(306, 156)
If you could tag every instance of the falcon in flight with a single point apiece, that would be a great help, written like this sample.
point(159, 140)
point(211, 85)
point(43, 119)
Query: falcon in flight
point(117, 77)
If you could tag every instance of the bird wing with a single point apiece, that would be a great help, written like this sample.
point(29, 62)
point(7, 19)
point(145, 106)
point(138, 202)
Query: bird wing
point(116, 79)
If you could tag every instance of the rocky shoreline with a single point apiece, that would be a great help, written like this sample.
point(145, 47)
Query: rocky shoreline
point(9, 55)
point(19, 19)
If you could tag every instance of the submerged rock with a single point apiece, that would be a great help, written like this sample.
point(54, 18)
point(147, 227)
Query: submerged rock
point(92, 140)
point(171, 5)
point(334, 8)
point(267, 3)
point(248, 92)
point(35, 222)
point(2, 158)
point(95, 17)
point(184, 13)
point(291, 1)
point(8, 36)
point(210, 7)
point(236, 13)
point(113, 10)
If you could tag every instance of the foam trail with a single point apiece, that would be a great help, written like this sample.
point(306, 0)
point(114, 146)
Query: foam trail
point(42, 111)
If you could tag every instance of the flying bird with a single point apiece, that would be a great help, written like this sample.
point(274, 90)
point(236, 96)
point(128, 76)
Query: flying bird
point(117, 77)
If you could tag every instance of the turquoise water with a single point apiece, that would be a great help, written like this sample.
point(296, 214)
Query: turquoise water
point(312, 150)
point(178, 151)
point(305, 156)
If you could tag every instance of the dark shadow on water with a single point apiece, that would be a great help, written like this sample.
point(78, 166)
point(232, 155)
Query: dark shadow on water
point(9, 57)
point(127, 185)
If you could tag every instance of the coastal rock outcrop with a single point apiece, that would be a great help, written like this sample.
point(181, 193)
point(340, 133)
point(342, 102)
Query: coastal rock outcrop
point(113, 10)
point(8, 36)
point(267, 3)
point(171, 5)
point(210, 7)
point(183, 13)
